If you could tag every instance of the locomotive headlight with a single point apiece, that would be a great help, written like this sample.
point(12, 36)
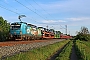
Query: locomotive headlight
point(20, 32)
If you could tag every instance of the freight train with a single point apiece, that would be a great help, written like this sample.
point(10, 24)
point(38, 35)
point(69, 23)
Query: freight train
point(24, 31)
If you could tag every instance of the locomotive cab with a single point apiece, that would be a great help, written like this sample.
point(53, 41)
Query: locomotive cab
point(17, 29)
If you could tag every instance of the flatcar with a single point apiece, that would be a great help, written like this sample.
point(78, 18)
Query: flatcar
point(63, 36)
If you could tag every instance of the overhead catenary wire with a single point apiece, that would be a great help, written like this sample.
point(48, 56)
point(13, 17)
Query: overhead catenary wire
point(33, 7)
point(8, 4)
point(37, 10)
point(1, 6)
point(42, 8)
point(8, 9)
point(12, 10)
point(30, 9)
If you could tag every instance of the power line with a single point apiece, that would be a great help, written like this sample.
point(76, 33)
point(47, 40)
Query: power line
point(8, 4)
point(1, 6)
point(30, 9)
point(33, 6)
point(39, 6)
point(8, 9)
point(42, 8)
point(30, 4)
point(16, 9)
point(11, 10)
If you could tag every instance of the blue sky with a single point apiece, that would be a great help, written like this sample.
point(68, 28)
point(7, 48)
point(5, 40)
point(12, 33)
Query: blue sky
point(54, 13)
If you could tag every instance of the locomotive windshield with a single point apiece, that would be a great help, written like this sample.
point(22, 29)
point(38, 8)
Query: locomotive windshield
point(15, 26)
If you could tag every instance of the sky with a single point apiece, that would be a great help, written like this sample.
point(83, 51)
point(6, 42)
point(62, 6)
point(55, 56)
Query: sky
point(55, 14)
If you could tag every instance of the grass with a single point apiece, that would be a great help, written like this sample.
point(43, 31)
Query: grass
point(87, 43)
point(83, 50)
point(66, 52)
point(39, 53)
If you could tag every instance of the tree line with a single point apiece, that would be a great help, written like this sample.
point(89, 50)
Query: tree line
point(4, 29)
point(83, 34)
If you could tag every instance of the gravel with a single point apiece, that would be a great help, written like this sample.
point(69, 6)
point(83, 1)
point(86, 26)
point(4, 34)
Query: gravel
point(12, 50)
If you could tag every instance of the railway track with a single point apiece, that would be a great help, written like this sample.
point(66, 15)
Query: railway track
point(12, 43)
point(13, 47)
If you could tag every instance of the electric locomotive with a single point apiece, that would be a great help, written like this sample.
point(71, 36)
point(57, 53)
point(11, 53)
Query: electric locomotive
point(24, 31)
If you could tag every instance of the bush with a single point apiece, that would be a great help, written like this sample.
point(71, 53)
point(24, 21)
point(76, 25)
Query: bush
point(85, 37)
point(83, 34)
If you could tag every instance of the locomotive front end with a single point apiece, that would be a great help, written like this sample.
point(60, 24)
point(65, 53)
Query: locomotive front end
point(15, 30)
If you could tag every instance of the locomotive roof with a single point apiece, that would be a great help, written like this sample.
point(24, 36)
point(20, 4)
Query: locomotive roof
point(18, 23)
point(40, 27)
point(32, 25)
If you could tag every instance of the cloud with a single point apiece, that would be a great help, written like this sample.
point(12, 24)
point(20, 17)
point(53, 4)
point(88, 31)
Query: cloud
point(71, 6)
point(79, 19)
point(52, 21)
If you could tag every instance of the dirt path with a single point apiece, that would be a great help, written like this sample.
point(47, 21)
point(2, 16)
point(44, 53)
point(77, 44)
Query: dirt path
point(73, 54)
point(72, 57)
point(53, 57)
point(56, 54)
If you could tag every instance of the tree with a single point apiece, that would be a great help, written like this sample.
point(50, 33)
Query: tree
point(84, 30)
point(83, 34)
point(4, 29)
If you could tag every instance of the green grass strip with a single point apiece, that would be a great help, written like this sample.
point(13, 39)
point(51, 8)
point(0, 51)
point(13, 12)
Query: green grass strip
point(39, 53)
point(66, 52)
point(87, 43)
point(83, 50)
